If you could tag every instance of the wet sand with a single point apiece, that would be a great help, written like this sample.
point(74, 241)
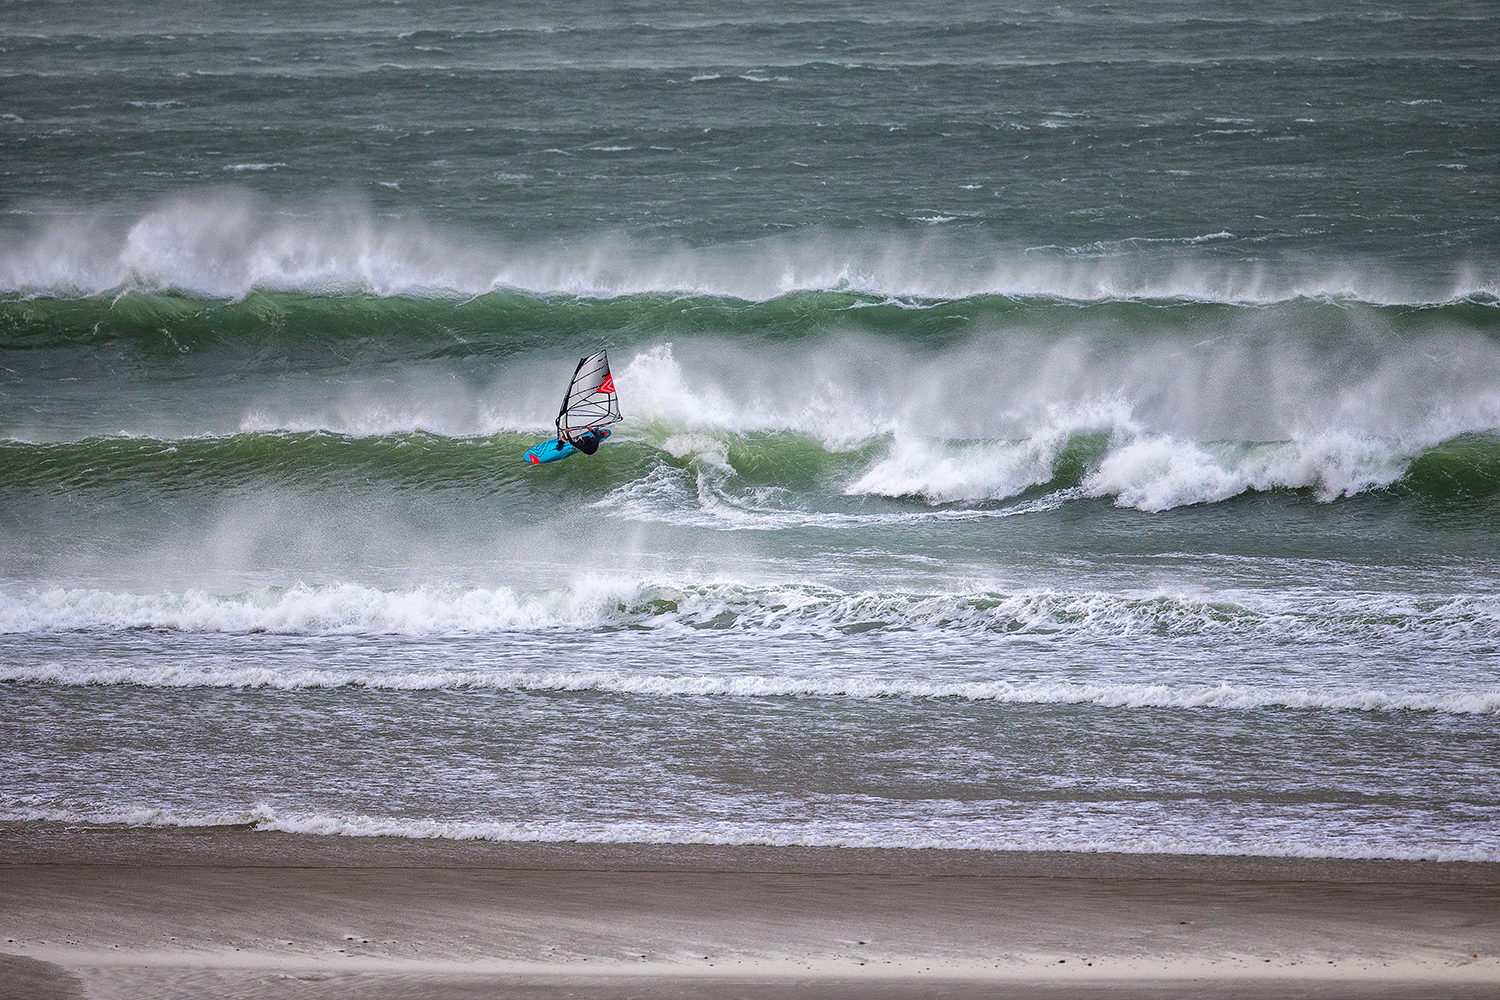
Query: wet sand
point(236, 913)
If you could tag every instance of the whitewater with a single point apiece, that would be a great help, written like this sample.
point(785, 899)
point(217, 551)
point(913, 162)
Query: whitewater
point(1044, 429)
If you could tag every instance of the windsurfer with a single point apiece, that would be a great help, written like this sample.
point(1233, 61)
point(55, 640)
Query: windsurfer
point(588, 405)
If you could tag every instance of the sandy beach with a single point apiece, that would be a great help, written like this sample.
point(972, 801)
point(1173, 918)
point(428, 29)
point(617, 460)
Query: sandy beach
point(179, 913)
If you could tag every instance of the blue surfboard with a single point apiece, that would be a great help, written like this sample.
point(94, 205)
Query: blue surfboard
point(548, 451)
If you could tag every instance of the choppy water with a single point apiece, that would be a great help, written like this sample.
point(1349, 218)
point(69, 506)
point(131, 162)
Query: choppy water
point(1059, 427)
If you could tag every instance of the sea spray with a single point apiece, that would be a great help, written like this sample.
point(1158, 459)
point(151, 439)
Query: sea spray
point(229, 242)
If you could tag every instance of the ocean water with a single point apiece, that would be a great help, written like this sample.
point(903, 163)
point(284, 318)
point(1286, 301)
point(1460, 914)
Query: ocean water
point(1060, 427)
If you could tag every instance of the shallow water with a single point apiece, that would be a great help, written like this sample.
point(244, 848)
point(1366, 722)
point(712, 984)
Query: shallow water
point(1045, 427)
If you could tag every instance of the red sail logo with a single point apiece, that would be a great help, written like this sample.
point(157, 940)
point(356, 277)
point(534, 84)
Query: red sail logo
point(608, 385)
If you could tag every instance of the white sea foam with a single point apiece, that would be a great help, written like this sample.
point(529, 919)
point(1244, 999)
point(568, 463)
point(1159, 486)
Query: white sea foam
point(309, 610)
point(765, 610)
point(965, 471)
point(1158, 472)
point(1224, 697)
point(792, 609)
point(1123, 827)
point(1139, 469)
point(943, 471)
point(227, 243)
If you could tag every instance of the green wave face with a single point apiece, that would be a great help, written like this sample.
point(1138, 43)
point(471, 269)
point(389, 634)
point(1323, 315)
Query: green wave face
point(1466, 467)
point(155, 420)
point(1463, 468)
point(163, 326)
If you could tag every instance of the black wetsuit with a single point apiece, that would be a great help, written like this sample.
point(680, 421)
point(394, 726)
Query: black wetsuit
point(587, 442)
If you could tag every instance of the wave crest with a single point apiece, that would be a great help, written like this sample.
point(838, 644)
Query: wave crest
point(230, 242)
point(767, 610)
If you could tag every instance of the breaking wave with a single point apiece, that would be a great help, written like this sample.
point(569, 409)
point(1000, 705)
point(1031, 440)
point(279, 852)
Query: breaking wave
point(766, 610)
point(763, 410)
point(230, 243)
point(769, 481)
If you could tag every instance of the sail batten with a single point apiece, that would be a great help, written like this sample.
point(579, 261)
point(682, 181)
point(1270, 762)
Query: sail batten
point(590, 400)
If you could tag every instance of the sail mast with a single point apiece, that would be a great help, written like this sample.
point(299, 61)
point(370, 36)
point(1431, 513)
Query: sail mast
point(590, 400)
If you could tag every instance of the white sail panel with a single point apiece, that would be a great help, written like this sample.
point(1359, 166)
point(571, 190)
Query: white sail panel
point(590, 400)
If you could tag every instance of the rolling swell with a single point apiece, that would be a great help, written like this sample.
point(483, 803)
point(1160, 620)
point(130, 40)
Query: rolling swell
point(762, 412)
point(1074, 466)
point(416, 460)
point(165, 325)
point(491, 325)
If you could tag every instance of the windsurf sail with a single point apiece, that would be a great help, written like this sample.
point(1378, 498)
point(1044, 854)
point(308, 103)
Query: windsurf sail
point(590, 400)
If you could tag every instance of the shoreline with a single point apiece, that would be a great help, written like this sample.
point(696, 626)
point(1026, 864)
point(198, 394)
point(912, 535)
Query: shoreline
point(46, 842)
point(107, 912)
